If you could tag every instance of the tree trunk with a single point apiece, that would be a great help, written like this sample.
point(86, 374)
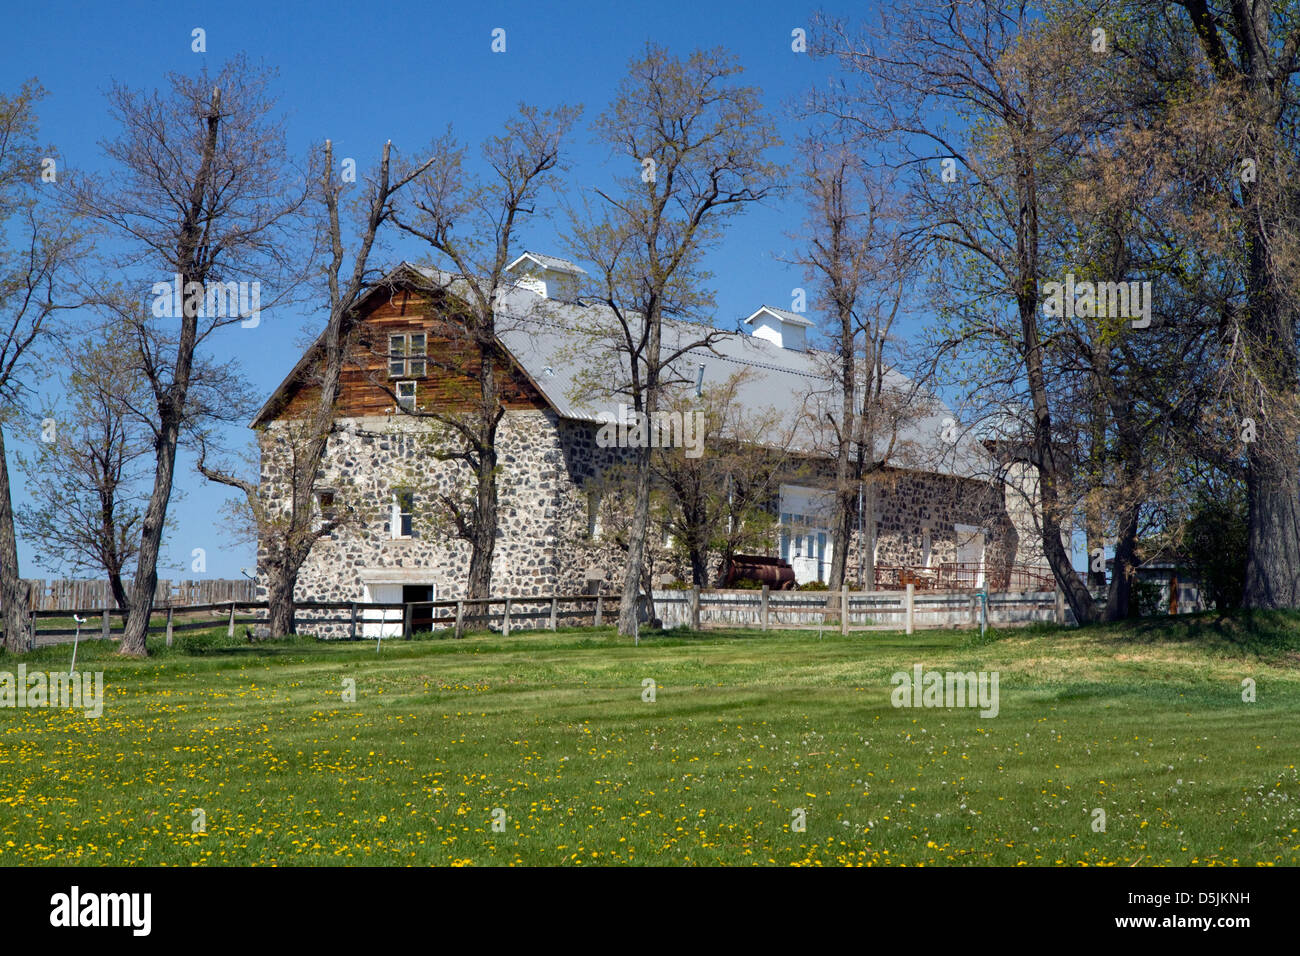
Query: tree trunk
point(281, 579)
point(118, 588)
point(1119, 601)
point(630, 606)
point(483, 535)
point(845, 492)
point(13, 593)
point(1273, 551)
point(1094, 535)
point(699, 551)
point(842, 533)
point(1273, 472)
point(146, 570)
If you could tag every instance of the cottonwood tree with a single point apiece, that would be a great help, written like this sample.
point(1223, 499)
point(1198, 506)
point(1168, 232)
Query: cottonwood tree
point(285, 512)
point(89, 459)
point(201, 195)
point(38, 247)
point(1249, 59)
point(693, 143)
point(982, 191)
point(470, 223)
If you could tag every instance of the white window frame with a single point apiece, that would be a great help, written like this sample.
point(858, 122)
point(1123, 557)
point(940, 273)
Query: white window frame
point(405, 360)
point(403, 400)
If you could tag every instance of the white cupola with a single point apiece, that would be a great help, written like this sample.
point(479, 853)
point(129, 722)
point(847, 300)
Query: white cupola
point(547, 276)
point(783, 329)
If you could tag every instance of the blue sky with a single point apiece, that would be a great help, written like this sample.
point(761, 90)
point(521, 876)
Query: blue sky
point(361, 74)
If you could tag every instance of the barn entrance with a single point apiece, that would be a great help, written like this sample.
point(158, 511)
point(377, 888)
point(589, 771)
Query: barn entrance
point(421, 617)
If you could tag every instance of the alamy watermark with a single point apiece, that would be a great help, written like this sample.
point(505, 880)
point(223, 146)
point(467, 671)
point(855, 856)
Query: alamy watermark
point(213, 300)
point(75, 908)
point(633, 429)
point(922, 688)
point(1125, 300)
point(75, 689)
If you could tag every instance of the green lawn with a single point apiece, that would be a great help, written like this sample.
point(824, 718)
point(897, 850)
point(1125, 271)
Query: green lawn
point(1146, 723)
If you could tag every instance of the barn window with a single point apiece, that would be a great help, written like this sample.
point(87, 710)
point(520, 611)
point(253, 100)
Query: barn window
point(406, 395)
point(325, 499)
point(403, 513)
point(406, 355)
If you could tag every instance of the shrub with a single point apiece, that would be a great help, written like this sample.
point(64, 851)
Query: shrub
point(814, 586)
point(1146, 596)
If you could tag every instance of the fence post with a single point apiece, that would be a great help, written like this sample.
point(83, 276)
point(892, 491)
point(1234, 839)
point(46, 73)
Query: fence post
point(695, 608)
point(352, 627)
point(764, 608)
point(106, 626)
point(844, 610)
point(1060, 605)
point(460, 618)
point(230, 631)
point(505, 622)
point(406, 621)
point(31, 644)
point(974, 610)
point(600, 600)
point(170, 611)
point(911, 607)
point(554, 600)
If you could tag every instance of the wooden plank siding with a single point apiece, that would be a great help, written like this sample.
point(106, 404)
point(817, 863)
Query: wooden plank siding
point(450, 382)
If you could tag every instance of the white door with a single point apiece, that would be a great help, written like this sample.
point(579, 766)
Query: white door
point(380, 622)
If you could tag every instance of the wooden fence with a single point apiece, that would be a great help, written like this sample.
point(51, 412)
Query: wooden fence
point(95, 595)
point(905, 610)
point(354, 620)
point(888, 610)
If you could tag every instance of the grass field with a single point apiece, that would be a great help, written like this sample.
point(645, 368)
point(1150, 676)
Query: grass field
point(746, 731)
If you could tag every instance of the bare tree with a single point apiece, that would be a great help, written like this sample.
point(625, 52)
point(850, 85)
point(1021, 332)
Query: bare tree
point(854, 256)
point(201, 197)
point(695, 143)
point(37, 247)
point(471, 225)
point(288, 519)
point(86, 473)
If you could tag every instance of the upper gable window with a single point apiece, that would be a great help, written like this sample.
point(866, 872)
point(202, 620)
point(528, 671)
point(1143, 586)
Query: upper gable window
point(406, 355)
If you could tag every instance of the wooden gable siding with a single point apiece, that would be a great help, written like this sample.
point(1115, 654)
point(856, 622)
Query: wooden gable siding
point(450, 380)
